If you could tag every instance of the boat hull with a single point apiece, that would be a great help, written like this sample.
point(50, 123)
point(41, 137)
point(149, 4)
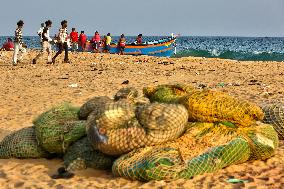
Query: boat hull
point(163, 49)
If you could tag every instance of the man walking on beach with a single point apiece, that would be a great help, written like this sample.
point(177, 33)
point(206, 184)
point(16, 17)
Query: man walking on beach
point(62, 42)
point(46, 47)
point(18, 43)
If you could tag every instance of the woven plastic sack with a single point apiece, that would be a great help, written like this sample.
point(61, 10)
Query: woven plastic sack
point(59, 127)
point(81, 155)
point(274, 115)
point(212, 106)
point(204, 148)
point(121, 127)
point(167, 93)
point(92, 105)
point(21, 144)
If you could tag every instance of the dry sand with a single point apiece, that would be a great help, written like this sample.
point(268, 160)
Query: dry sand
point(27, 90)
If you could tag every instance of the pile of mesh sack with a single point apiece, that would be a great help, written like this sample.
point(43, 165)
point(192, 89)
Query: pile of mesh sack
point(172, 132)
point(57, 132)
point(203, 148)
point(224, 131)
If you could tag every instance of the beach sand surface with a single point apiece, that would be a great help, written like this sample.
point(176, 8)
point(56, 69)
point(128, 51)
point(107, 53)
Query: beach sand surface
point(27, 90)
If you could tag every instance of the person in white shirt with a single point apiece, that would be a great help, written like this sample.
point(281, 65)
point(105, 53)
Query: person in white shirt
point(39, 32)
point(62, 42)
point(46, 46)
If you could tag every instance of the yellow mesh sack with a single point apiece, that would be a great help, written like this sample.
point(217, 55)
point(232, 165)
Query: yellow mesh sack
point(212, 106)
point(204, 148)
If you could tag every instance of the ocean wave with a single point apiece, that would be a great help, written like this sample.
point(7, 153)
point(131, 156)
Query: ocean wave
point(247, 56)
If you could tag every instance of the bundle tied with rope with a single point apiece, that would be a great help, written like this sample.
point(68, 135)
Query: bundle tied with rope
point(59, 127)
point(119, 127)
point(204, 148)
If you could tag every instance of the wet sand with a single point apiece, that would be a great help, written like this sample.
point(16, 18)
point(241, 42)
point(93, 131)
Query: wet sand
point(27, 90)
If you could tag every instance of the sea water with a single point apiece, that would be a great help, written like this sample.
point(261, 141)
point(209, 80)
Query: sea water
point(237, 48)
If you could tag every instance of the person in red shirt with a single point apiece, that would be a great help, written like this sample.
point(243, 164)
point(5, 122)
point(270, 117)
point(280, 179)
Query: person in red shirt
point(82, 40)
point(139, 39)
point(8, 45)
point(74, 39)
point(96, 41)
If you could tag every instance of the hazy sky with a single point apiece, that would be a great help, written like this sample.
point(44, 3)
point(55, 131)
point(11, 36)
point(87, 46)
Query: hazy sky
point(150, 17)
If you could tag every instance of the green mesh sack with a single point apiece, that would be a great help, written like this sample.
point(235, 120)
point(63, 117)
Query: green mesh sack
point(212, 106)
point(81, 155)
point(274, 115)
point(92, 105)
point(167, 93)
point(264, 141)
point(59, 127)
point(122, 127)
point(22, 144)
point(204, 148)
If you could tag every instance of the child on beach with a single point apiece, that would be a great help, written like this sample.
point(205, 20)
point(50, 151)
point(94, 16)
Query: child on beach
point(18, 43)
point(46, 46)
point(62, 42)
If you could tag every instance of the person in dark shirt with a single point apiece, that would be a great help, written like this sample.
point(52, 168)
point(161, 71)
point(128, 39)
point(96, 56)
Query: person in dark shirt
point(46, 46)
point(18, 43)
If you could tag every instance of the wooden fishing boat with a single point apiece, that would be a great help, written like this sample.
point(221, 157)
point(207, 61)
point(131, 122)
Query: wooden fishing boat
point(162, 48)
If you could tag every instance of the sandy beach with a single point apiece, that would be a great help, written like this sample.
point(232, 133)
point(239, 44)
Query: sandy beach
point(26, 90)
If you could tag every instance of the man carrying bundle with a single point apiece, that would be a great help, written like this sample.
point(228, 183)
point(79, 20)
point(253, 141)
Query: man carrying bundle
point(46, 47)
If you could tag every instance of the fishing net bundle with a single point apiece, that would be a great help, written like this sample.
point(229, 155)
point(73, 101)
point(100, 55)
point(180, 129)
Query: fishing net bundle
point(120, 127)
point(81, 155)
point(204, 148)
point(274, 115)
point(131, 95)
point(21, 144)
point(167, 93)
point(92, 105)
point(126, 93)
point(59, 127)
point(212, 106)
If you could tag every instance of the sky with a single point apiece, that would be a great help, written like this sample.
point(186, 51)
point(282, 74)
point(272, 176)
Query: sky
point(149, 17)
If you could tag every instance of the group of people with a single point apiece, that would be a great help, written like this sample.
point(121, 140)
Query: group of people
point(63, 41)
